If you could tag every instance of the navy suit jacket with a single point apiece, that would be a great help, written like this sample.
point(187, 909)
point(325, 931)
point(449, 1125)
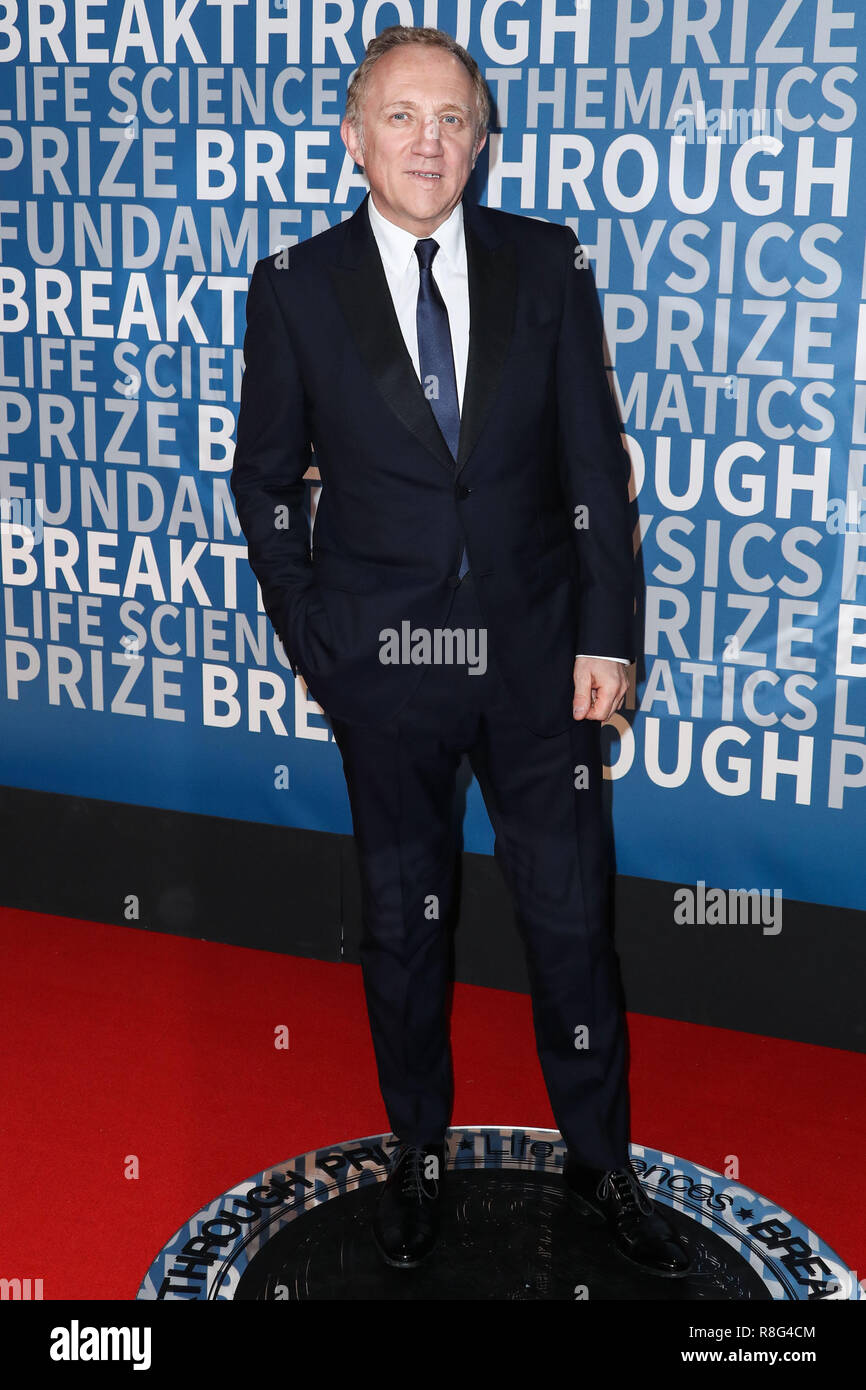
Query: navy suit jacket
point(327, 370)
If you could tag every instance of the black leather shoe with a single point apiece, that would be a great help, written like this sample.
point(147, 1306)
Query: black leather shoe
point(642, 1234)
point(406, 1222)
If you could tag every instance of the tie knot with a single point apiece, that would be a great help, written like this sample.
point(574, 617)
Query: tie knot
point(425, 251)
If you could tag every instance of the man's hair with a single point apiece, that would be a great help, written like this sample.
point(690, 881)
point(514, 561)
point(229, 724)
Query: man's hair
point(400, 34)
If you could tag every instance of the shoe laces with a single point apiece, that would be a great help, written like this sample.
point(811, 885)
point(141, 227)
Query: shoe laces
point(624, 1185)
point(412, 1180)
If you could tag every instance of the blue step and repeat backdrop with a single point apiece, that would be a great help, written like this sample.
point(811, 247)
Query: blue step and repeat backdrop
point(712, 158)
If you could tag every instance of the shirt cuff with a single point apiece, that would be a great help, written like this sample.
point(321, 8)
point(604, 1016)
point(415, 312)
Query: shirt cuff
point(595, 657)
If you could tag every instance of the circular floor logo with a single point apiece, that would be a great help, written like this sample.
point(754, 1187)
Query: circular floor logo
point(301, 1231)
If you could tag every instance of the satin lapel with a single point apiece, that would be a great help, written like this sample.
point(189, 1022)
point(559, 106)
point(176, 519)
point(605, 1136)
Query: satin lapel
point(362, 289)
point(492, 275)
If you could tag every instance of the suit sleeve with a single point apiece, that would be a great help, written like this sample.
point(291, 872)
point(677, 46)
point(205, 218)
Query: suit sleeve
point(595, 469)
point(272, 454)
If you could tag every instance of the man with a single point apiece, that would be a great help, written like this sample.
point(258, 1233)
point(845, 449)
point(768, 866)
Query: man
point(444, 360)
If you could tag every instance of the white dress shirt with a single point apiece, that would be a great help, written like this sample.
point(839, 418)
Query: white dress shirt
point(397, 250)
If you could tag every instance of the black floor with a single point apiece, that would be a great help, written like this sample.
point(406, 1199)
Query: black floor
point(505, 1234)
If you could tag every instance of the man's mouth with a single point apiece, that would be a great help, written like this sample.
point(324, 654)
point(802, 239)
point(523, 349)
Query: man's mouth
point(420, 174)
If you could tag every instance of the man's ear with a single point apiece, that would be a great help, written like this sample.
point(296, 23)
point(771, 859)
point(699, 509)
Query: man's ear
point(350, 140)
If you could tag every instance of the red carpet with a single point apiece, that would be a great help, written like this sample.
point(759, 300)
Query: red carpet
point(123, 1048)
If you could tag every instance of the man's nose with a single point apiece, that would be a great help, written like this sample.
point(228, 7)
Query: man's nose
point(428, 132)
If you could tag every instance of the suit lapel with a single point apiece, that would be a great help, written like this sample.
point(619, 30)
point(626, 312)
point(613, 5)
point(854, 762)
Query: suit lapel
point(362, 288)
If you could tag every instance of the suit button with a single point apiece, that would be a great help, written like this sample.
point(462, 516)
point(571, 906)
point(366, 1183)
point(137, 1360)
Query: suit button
point(463, 492)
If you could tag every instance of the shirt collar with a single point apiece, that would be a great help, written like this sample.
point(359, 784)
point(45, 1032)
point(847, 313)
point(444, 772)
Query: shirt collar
point(397, 246)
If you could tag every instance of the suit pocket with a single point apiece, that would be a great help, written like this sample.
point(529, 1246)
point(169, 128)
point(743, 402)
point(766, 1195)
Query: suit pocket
point(308, 633)
point(334, 571)
point(537, 318)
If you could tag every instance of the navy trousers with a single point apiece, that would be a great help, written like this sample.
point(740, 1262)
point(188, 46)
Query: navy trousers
point(551, 842)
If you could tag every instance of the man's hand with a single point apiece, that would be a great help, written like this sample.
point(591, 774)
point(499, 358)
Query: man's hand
point(600, 686)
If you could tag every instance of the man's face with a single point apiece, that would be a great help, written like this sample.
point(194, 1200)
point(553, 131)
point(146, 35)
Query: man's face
point(418, 120)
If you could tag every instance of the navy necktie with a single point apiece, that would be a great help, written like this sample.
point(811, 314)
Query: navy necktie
point(435, 356)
